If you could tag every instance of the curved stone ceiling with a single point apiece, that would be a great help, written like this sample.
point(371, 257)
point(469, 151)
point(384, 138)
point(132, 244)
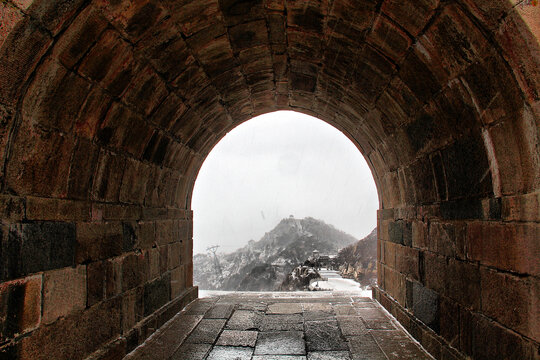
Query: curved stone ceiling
point(441, 98)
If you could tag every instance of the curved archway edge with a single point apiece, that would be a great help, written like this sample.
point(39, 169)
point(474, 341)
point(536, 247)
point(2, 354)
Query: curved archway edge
point(108, 109)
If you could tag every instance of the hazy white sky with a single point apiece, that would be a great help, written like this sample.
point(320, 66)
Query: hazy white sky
point(275, 165)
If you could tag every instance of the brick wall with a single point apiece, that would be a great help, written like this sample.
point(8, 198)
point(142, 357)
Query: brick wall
point(108, 109)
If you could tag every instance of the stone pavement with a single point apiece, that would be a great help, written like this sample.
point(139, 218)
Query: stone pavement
point(281, 326)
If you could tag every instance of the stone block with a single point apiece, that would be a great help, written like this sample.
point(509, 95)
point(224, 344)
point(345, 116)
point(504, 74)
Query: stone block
point(81, 172)
point(146, 91)
point(98, 241)
point(39, 162)
point(416, 75)
point(93, 111)
point(449, 313)
point(491, 341)
point(12, 208)
point(411, 15)
point(56, 101)
point(407, 261)
point(96, 282)
point(129, 236)
point(470, 208)
point(395, 232)
point(108, 177)
point(505, 246)
point(20, 304)
point(134, 271)
point(79, 37)
point(163, 258)
point(178, 283)
point(462, 283)
point(37, 246)
point(174, 257)
point(156, 294)
point(132, 308)
point(62, 340)
point(109, 62)
point(521, 207)
point(388, 37)
point(64, 292)
point(38, 208)
point(506, 298)
point(426, 306)
point(133, 187)
point(21, 51)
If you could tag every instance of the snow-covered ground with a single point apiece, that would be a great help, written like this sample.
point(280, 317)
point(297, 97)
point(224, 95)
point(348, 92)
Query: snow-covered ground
point(336, 283)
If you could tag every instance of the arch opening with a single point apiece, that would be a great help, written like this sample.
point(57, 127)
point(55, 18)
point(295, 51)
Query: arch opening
point(260, 173)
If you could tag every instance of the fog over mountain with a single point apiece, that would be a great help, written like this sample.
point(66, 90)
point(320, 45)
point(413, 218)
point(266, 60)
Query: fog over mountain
point(276, 165)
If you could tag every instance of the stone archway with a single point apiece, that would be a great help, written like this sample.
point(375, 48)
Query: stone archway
point(109, 108)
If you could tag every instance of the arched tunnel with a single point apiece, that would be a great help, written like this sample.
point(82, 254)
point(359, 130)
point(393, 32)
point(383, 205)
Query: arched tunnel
point(109, 107)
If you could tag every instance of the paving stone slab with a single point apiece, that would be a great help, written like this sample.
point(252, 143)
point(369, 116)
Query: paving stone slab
point(219, 311)
point(344, 309)
point(237, 338)
point(284, 308)
point(280, 343)
point(230, 353)
point(329, 355)
point(191, 352)
point(397, 345)
point(364, 347)
point(319, 315)
point(379, 324)
point(352, 325)
point(207, 331)
point(283, 322)
point(324, 336)
point(245, 320)
point(278, 357)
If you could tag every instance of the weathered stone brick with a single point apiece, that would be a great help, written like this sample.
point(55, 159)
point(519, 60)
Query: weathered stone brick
point(96, 274)
point(39, 162)
point(79, 37)
point(132, 308)
point(147, 234)
point(64, 291)
point(98, 241)
point(62, 340)
point(506, 246)
point(178, 284)
point(146, 91)
point(81, 172)
point(129, 236)
point(521, 207)
point(20, 301)
point(411, 15)
point(133, 187)
point(110, 62)
point(21, 51)
point(426, 305)
point(174, 256)
point(449, 321)
point(393, 41)
point(108, 178)
point(55, 97)
point(156, 294)
point(134, 271)
point(505, 299)
point(38, 246)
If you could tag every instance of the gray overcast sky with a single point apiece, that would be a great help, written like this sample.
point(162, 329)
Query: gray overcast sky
point(275, 165)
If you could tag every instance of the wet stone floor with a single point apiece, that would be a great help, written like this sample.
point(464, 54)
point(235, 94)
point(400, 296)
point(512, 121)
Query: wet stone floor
point(281, 326)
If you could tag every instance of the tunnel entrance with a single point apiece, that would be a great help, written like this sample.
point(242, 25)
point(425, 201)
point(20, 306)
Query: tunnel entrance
point(109, 108)
point(272, 166)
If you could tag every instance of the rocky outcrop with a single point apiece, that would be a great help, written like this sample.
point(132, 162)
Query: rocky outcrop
point(300, 278)
point(359, 261)
point(263, 265)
